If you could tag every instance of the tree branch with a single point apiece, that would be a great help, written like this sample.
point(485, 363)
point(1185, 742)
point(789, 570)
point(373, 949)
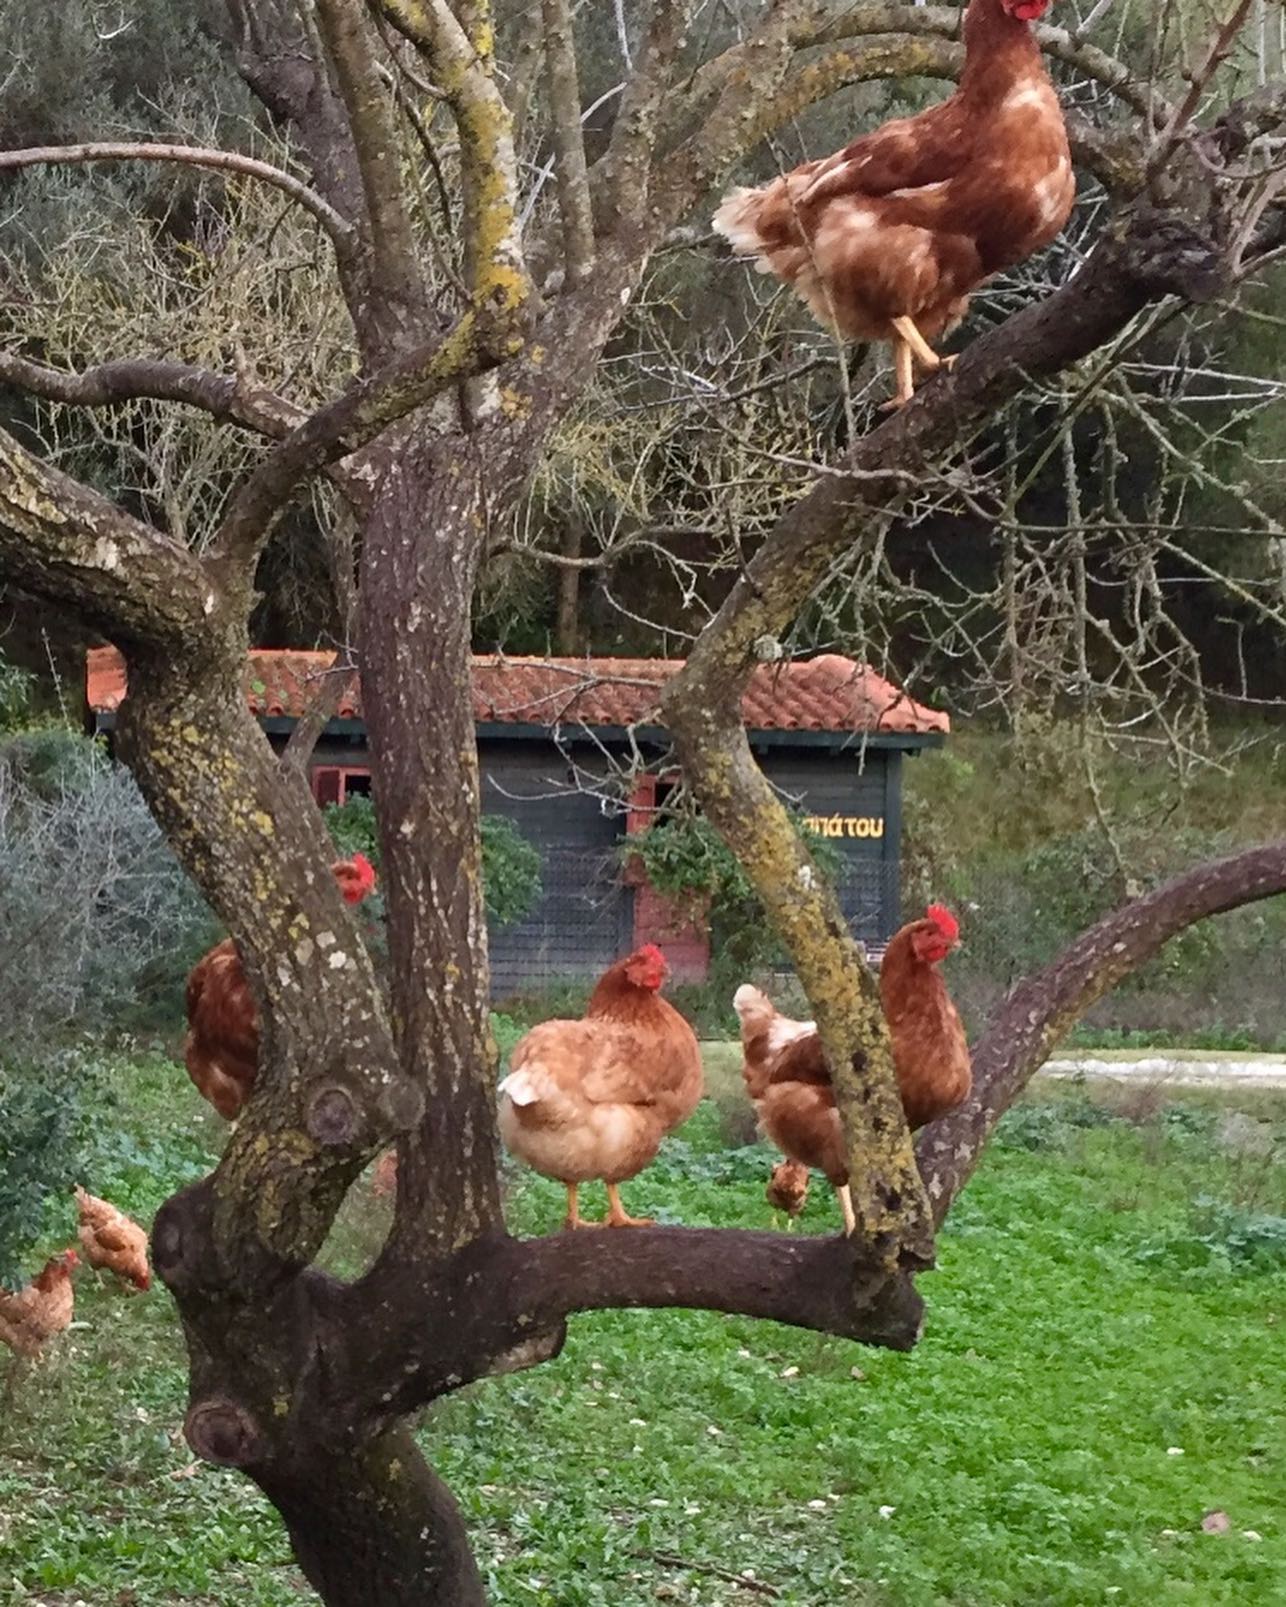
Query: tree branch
point(433, 1332)
point(1020, 1035)
point(109, 384)
point(461, 61)
point(477, 343)
point(340, 230)
point(569, 142)
point(396, 306)
point(626, 168)
point(61, 541)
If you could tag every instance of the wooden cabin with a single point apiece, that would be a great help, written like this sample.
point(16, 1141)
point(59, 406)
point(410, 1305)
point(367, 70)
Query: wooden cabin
point(571, 751)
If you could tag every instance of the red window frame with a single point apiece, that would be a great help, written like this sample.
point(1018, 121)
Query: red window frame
point(330, 781)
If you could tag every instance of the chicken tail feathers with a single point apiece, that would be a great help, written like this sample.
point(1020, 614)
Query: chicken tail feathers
point(754, 1009)
point(525, 1087)
point(737, 220)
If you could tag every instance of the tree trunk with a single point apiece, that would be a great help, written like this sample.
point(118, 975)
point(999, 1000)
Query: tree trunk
point(567, 632)
point(421, 550)
point(377, 1529)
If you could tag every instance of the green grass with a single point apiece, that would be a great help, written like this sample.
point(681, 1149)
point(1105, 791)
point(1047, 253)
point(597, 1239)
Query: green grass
point(1111, 1286)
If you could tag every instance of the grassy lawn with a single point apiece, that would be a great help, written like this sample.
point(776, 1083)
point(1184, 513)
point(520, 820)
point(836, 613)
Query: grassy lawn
point(1103, 1365)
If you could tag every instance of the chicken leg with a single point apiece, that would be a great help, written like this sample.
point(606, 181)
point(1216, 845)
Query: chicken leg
point(574, 1219)
point(617, 1216)
point(845, 1197)
point(909, 348)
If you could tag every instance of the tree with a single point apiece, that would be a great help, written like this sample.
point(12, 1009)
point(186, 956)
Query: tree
point(465, 360)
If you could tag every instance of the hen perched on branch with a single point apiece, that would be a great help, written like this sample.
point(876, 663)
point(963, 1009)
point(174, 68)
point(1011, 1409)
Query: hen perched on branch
point(221, 1050)
point(888, 238)
point(789, 1082)
point(594, 1098)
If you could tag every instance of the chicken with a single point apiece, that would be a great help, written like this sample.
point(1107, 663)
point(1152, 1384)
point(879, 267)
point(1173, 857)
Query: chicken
point(594, 1098)
point(930, 1053)
point(221, 1050)
point(787, 1188)
point(111, 1241)
point(32, 1316)
point(888, 238)
point(787, 1078)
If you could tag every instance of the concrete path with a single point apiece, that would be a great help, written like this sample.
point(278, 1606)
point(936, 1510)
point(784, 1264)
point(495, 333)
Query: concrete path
point(1190, 1067)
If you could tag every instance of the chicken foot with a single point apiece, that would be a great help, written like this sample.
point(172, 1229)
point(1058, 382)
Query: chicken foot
point(617, 1216)
point(574, 1219)
point(909, 348)
point(845, 1196)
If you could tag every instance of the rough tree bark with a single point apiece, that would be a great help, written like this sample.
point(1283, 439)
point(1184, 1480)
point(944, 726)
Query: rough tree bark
point(304, 1383)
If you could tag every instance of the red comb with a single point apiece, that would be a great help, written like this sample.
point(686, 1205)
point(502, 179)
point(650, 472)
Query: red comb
point(364, 869)
point(944, 920)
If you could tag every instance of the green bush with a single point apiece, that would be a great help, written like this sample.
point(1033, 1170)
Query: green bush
point(45, 1127)
point(685, 858)
point(511, 865)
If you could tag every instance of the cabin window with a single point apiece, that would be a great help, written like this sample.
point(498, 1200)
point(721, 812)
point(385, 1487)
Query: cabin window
point(336, 784)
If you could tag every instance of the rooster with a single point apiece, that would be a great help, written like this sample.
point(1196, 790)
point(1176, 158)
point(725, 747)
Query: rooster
point(787, 1078)
point(30, 1318)
point(221, 1050)
point(594, 1098)
point(112, 1241)
point(888, 238)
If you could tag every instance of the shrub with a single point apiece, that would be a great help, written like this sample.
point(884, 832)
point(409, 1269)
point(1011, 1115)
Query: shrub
point(685, 858)
point(92, 896)
point(511, 865)
point(45, 1108)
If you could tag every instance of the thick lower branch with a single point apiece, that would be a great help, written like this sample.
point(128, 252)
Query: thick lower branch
point(1037, 1012)
point(62, 541)
point(415, 1330)
point(327, 1094)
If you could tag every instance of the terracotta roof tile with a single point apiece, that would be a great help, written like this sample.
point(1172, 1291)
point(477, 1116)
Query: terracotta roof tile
point(828, 693)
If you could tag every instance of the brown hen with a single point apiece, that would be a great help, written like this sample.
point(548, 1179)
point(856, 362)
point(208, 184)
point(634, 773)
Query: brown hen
point(787, 1077)
point(111, 1241)
point(31, 1317)
point(888, 238)
point(594, 1098)
point(221, 1050)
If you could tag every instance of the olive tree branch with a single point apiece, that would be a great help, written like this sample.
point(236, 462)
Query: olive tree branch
point(1038, 1011)
point(340, 230)
point(478, 342)
point(461, 62)
point(62, 541)
point(109, 384)
point(396, 285)
point(571, 172)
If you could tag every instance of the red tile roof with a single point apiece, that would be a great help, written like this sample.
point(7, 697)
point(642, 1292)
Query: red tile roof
point(829, 693)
